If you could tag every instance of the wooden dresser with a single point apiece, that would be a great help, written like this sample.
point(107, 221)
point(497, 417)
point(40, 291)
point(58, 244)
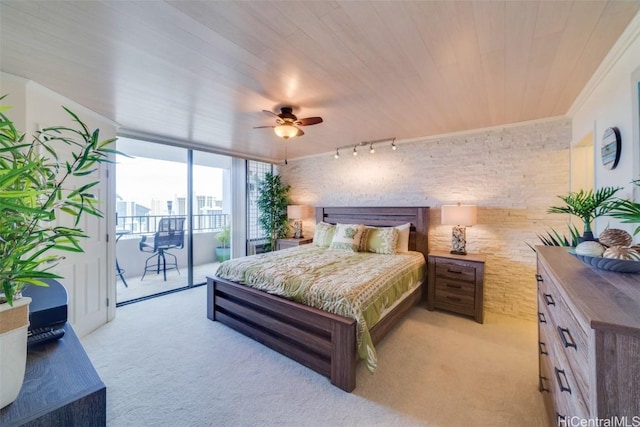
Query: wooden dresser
point(589, 340)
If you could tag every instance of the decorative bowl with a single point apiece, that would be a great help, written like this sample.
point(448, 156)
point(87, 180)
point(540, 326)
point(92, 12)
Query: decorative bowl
point(609, 264)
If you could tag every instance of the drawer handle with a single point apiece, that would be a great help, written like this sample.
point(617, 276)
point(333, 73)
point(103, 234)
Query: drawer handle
point(449, 285)
point(454, 298)
point(543, 348)
point(539, 278)
point(541, 387)
point(549, 299)
point(566, 338)
point(542, 318)
point(454, 271)
point(562, 380)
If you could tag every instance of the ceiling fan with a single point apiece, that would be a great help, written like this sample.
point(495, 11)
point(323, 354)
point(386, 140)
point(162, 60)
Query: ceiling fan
point(287, 123)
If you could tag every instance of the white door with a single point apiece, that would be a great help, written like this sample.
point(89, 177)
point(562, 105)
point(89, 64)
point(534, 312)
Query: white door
point(86, 275)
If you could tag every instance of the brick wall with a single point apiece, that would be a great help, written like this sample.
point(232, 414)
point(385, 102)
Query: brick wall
point(513, 174)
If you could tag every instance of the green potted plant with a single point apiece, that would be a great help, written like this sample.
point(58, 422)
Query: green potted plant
point(555, 238)
point(627, 210)
point(587, 206)
point(223, 252)
point(273, 198)
point(34, 192)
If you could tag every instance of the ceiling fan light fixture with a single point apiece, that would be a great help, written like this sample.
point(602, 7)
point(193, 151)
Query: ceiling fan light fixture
point(285, 130)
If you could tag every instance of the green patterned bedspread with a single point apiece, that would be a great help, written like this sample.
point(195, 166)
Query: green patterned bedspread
point(357, 285)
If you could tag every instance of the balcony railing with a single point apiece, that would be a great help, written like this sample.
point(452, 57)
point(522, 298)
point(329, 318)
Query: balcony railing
point(147, 224)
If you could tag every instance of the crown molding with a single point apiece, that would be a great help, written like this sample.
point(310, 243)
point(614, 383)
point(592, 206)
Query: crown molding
point(628, 36)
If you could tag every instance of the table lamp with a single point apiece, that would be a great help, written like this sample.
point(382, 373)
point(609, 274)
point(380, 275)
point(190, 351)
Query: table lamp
point(294, 213)
point(459, 216)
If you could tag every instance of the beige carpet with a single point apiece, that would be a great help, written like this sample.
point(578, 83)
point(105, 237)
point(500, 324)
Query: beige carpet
point(166, 364)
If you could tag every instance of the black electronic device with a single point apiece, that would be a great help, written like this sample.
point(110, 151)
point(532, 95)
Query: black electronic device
point(47, 311)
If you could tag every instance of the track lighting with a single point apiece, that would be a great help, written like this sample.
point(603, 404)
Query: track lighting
point(371, 144)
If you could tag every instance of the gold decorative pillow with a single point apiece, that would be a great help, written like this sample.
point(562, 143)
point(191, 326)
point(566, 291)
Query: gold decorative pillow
point(380, 240)
point(347, 237)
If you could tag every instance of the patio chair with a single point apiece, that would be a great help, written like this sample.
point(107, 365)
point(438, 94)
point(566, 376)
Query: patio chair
point(170, 235)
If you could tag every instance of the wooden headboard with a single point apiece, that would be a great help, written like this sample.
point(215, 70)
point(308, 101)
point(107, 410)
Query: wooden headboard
point(383, 217)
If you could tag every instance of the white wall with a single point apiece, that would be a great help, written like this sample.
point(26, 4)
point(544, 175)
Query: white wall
point(513, 174)
point(611, 100)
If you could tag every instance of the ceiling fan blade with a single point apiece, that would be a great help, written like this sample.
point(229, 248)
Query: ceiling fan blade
point(260, 127)
point(309, 121)
point(270, 112)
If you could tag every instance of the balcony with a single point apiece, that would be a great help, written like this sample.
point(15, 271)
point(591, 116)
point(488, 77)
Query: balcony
point(132, 260)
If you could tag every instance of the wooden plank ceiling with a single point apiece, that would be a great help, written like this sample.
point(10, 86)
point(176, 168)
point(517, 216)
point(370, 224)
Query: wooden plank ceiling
point(202, 71)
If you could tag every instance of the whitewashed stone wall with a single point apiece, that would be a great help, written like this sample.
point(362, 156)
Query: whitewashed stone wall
point(513, 175)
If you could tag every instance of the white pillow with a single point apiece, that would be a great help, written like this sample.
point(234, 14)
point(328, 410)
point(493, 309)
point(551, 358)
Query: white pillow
point(347, 237)
point(403, 237)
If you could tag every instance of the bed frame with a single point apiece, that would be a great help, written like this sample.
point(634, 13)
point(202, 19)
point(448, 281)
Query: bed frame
point(321, 341)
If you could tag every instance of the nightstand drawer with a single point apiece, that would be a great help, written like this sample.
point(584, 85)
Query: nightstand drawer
point(456, 272)
point(461, 303)
point(455, 287)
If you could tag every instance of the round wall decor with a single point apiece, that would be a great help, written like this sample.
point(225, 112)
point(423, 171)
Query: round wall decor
point(610, 148)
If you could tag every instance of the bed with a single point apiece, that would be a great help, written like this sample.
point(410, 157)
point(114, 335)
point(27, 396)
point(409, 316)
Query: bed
point(320, 340)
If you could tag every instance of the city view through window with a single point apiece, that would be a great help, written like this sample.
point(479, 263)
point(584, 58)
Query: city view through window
point(153, 225)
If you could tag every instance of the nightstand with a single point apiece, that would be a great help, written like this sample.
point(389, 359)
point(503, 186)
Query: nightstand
point(290, 242)
point(456, 283)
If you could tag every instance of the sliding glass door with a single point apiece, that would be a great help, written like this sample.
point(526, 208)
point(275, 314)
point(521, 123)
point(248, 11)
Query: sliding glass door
point(172, 206)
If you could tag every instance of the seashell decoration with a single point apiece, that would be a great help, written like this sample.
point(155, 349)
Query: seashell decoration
point(615, 237)
point(620, 252)
point(590, 248)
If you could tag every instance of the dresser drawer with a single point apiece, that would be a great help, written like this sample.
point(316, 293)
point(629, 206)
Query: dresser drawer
point(570, 337)
point(456, 272)
point(556, 389)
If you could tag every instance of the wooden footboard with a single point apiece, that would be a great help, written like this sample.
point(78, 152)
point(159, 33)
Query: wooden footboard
point(321, 341)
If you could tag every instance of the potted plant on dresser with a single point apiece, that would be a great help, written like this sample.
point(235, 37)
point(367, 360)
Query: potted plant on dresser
point(35, 191)
point(587, 206)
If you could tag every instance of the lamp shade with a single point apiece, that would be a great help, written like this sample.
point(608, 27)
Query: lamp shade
point(286, 130)
point(295, 211)
point(459, 214)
